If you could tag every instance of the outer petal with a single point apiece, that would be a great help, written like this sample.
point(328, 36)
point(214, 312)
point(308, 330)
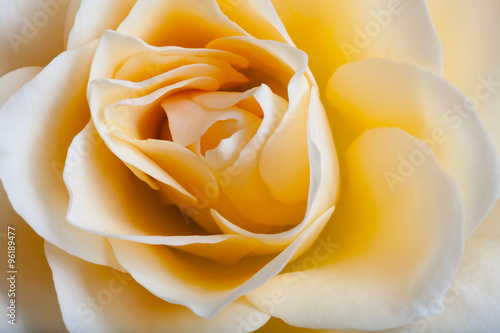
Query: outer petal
point(336, 32)
point(94, 17)
point(35, 132)
point(199, 21)
point(428, 107)
point(472, 303)
point(32, 32)
point(12, 81)
point(36, 303)
point(277, 325)
point(99, 299)
point(397, 251)
point(257, 17)
point(469, 31)
point(204, 286)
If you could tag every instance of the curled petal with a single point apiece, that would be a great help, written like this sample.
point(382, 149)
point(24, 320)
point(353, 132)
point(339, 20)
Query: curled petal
point(32, 176)
point(428, 107)
point(469, 34)
point(98, 299)
point(383, 254)
point(337, 32)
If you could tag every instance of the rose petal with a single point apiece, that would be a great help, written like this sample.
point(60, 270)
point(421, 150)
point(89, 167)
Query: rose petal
point(491, 225)
point(33, 32)
point(99, 299)
point(472, 303)
point(469, 34)
point(396, 248)
point(188, 120)
point(257, 17)
point(206, 287)
point(108, 200)
point(36, 306)
point(94, 17)
point(200, 22)
point(322, 191)
point(277, 325)
point(31, 175)
point(336, 32)
point(12, 81)
point(428, 107)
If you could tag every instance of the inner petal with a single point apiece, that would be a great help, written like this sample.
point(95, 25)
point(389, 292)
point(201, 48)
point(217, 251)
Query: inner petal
point(190, 121)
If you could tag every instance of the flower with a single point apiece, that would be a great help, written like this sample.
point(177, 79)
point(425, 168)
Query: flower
point(176, 159)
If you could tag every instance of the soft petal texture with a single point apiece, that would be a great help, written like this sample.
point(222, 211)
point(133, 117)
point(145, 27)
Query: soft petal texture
point(397, 250)
point(36, 303)
point(12, 81)
point(98, 299)
point(94, 17)
point(107, 199)
point(472, 303)
point(199, 21)
point(469, 32)
point(275, 325)
point(428, 107)
point(32, 32)
point(31, 175)
point(491, 225)
point(204, 286)
point(323, 29)
point(324, 185)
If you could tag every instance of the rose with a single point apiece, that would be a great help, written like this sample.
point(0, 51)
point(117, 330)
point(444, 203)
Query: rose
point(412, 182)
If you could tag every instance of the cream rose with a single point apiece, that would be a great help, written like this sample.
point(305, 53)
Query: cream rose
point(175, 160)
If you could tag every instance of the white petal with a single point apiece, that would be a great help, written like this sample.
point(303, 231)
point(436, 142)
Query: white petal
point(99, 299)
point(36, 126)
point(12, 81)
point(36, 304)
point(32, 32)
point(469, 32)
point(94, 17)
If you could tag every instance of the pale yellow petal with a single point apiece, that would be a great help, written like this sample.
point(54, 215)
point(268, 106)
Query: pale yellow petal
point(35, 306)
point(99, 299)
point(12, 81)
point(383, 254)
point(469, 33)
point(35, 132)
point(94, 17)
point(32, 32)
point(257, 17)
point(199, 21)
point(380, 92)
point(336, 32)
point(205, 286)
